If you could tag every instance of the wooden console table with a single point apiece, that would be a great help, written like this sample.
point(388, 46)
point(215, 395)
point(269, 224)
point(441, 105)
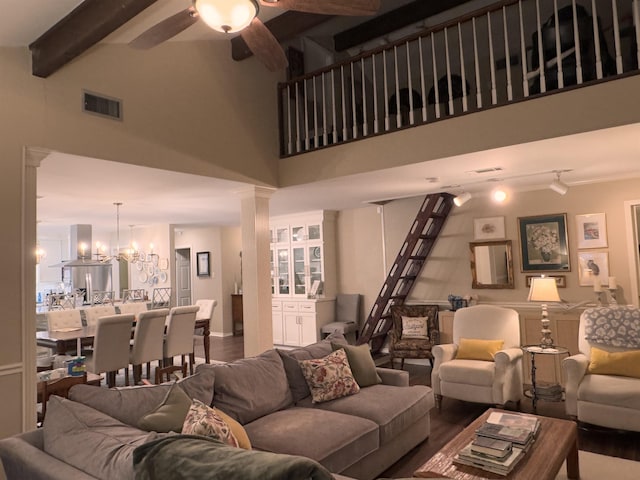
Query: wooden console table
point(237, 317)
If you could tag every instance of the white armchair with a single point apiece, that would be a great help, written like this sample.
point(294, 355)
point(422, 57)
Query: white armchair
point(607, 400)
point(492, 382)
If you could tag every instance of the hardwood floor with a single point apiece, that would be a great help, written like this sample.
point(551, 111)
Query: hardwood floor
point(456, 415)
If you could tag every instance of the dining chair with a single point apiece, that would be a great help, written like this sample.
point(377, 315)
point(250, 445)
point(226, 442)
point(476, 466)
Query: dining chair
point(179, 337)
point(102, 297)
point(203, 323)
point(147, 341)
point(92, 314)
point(134, 308)
point(111, 347)
point(59, 387)
point(164, 374)
point(64, 319)
point(161, 297)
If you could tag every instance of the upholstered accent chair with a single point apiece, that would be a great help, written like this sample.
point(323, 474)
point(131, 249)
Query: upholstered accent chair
point(484, 362)
point(602, 382)
point(414, 332)
point(347, 315)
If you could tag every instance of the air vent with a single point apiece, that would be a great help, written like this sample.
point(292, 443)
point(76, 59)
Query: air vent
point(101, 105)
point(486, 170)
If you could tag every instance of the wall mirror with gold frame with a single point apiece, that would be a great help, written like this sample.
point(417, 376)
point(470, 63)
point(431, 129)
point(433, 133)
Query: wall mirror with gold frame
point(491, 264)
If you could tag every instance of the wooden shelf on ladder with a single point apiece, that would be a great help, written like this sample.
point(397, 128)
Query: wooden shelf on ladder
point(407, 266)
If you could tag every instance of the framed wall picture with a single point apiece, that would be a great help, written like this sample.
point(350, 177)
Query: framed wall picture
point(488, 228)
point(592, 265)
point(561, 280)
point(203, 264)
point(591, 230)
point(543, 243)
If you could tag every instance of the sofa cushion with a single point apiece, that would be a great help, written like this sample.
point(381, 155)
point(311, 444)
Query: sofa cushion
point(129, 404)
point(333, 439)
point(393, 409)
point(204, 420)
point(361, 362)
point(329, 377)
point(469, 372)
point(169, 415)
point(251, 387)
point(607, 390)
point(297, 382)
point(105, 450)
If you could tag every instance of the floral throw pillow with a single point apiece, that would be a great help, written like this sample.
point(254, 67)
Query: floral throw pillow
point(204, 420)
point(329, 377)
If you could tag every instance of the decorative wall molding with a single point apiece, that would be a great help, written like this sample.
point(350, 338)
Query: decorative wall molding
point(11, 369)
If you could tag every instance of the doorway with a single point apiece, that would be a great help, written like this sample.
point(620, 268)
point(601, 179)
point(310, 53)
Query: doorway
point(632, 220)
point(183, 276)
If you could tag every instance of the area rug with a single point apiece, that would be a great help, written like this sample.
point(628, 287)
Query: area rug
point(601, 467)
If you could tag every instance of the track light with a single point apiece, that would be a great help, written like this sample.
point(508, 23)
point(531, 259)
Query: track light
point(462, 199)
point(558, 186)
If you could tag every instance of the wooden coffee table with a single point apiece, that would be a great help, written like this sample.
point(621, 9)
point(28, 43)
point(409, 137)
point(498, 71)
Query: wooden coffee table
point(557, 440)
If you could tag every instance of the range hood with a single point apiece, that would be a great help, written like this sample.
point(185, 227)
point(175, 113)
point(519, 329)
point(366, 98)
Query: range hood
point(81, 235)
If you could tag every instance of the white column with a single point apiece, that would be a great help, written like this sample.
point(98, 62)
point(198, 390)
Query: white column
point(256, 270)
point(31, 158)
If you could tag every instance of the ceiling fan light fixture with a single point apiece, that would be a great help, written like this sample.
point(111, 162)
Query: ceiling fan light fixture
point(227, 16)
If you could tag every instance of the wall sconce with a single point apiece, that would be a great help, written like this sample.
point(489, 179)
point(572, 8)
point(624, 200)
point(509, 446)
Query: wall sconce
point(462, 199)
point(40, 253)
point(499, 195)
point(558, 186)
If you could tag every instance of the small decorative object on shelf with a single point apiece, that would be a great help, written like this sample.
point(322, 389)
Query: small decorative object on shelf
point(613, 287)
point(457, 302)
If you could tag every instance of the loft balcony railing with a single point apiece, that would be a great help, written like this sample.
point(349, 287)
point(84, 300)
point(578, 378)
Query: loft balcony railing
point(507, 52)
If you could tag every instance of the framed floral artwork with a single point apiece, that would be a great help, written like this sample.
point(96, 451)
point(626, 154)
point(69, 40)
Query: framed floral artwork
point(488, 228)
point(591, 230)
point(543, 243)
point(593, 265)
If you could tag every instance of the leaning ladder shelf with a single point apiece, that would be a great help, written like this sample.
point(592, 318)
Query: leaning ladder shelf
point(406, 267)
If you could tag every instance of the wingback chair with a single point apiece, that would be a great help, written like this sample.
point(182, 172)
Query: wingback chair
point(484, 362)
point(602, 382)
point(415, 344)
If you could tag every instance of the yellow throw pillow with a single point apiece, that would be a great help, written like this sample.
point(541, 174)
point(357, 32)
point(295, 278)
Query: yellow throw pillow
point(238, 430)
point(476, 349)
point(626, 364)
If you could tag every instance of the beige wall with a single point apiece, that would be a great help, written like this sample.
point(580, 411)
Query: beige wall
point(448, 271)
point(187, 107)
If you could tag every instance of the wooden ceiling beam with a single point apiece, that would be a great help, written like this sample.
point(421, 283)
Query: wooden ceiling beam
point(283, 27)
point(86, 25)
point(390, 22)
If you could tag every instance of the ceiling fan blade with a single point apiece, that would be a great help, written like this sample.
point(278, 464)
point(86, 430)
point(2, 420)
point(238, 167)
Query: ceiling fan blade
point(328, 7)
point(166, 29)
point(264, 45)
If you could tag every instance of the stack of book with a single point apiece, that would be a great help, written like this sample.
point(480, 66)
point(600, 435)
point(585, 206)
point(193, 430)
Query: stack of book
point(549, 391)
point(500, 442)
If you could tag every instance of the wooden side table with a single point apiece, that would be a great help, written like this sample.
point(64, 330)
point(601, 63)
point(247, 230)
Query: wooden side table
point(237, 318)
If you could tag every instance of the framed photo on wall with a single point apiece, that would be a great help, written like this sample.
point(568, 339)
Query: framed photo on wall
point(488, 228)
point(591, 230)
point(592, 264)
point(203, 264)
point(543, 243)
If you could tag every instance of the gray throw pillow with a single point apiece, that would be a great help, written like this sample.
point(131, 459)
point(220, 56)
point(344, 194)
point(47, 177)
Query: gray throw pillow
point(361, 362)
point(250, 388)
point(90, 440)
point(170, 414)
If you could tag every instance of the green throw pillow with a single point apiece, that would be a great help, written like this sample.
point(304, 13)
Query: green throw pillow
point(361, 362)
point(170, 414)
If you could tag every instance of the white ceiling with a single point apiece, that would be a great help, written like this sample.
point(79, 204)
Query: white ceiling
point(152, 196)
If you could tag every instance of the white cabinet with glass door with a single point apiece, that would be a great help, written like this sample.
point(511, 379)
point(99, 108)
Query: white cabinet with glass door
point(302, 255)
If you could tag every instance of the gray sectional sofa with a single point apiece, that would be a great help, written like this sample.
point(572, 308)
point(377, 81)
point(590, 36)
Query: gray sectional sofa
point(93, 433)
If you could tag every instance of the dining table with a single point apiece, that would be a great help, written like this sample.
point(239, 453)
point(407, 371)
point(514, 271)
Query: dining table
point(63, 340)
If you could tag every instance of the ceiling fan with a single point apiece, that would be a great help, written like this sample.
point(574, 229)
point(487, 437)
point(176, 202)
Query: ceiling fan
point(231, 16)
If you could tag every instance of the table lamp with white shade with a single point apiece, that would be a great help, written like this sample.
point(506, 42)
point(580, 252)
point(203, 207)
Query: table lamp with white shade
point(544, 289)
